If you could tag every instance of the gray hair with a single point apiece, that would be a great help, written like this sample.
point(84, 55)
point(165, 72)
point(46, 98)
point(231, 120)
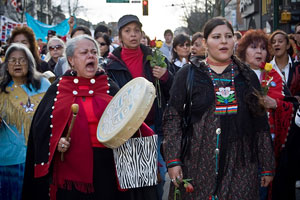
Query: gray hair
point(72, 45)
point(33, 76)
point(58, 40)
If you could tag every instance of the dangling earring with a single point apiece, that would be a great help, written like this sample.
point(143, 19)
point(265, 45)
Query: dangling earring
point(73, 73)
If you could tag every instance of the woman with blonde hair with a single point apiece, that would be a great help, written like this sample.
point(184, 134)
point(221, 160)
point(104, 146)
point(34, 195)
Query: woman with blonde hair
point(56, 48)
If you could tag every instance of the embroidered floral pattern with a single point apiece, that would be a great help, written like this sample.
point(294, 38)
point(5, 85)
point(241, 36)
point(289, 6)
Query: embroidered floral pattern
point(225, 95)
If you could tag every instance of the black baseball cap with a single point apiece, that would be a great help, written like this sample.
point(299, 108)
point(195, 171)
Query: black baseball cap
point(126, 19)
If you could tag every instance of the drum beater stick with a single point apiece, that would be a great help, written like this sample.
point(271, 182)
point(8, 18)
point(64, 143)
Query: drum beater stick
point(74, 108)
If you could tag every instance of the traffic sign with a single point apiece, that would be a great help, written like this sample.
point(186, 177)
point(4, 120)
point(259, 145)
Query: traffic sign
point(117, 1)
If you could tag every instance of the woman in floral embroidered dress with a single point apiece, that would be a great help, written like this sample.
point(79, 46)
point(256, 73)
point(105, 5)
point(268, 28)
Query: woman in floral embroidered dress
point(230, 133)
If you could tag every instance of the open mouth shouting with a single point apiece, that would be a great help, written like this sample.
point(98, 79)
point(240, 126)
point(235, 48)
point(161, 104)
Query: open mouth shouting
point(90, 66)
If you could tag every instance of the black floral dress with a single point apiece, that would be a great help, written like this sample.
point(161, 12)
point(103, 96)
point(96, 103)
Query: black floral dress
point(241, 175)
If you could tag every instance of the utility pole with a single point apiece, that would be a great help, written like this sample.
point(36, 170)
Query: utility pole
point(206, 11)
point(275, 15)
point(41, 11)
point(223, 8)
point(23, 10)
point(2, 8)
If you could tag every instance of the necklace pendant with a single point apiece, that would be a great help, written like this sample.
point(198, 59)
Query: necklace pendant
point(29, 107)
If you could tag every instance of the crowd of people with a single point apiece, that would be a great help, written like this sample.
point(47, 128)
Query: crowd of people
point(226, 112)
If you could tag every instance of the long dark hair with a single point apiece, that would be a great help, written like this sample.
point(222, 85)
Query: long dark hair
point(254, 104)
point(213, 23)
point(229, 123)
point(33, 76)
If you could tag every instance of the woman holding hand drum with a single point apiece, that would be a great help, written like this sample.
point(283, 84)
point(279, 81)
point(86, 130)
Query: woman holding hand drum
point(87, 170)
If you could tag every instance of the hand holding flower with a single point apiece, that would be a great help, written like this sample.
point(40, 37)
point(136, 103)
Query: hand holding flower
point(266, 79)
point(189, 188)
point(187, 185)
point(157, 62)
point(157, 58)
point(269, 102)
point(158, 71)
point(176, 175)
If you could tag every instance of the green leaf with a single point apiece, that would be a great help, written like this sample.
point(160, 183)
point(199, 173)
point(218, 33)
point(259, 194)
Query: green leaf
point(231, 95)
point(221, 98)
point(231, 99)
point(149, 57)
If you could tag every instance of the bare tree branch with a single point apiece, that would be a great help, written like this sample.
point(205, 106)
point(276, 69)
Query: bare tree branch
point(197, 15)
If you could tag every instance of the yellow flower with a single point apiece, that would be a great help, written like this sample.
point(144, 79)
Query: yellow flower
point(268, 67)
point(158, 44)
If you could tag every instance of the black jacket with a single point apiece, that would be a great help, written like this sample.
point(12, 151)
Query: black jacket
point(119, 73)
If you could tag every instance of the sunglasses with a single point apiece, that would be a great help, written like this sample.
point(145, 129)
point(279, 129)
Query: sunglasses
point(184, 45)
point(58, 47)
point(102, 44)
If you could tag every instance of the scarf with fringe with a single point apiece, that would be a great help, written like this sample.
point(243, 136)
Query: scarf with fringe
point(17, 108)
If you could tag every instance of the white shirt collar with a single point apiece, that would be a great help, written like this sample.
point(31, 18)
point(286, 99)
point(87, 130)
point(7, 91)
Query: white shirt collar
point(257, 72)
point(179, 63)
point(284, 73)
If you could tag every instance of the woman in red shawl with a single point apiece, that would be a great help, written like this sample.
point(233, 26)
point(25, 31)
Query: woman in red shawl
point(253, 49)
point(87, 170)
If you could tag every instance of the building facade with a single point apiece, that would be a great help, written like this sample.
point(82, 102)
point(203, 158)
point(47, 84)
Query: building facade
point(270, 15)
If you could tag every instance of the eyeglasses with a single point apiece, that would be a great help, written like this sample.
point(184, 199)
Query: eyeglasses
point(186, 45)
point(58, 47)
point(14, 61)
point(102, 43)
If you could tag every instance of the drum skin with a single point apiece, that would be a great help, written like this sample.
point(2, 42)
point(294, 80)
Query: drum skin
point(126, 112)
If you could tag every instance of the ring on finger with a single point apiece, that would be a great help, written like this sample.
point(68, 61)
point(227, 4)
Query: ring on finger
point(172, 179)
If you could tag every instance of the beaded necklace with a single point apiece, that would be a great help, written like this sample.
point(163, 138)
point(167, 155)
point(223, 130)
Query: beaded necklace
point(226, 102)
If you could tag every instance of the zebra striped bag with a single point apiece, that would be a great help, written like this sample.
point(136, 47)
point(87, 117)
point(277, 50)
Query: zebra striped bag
point(136, 162)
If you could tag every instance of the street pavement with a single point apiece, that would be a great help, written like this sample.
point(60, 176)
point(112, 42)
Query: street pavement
point(168, 181)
